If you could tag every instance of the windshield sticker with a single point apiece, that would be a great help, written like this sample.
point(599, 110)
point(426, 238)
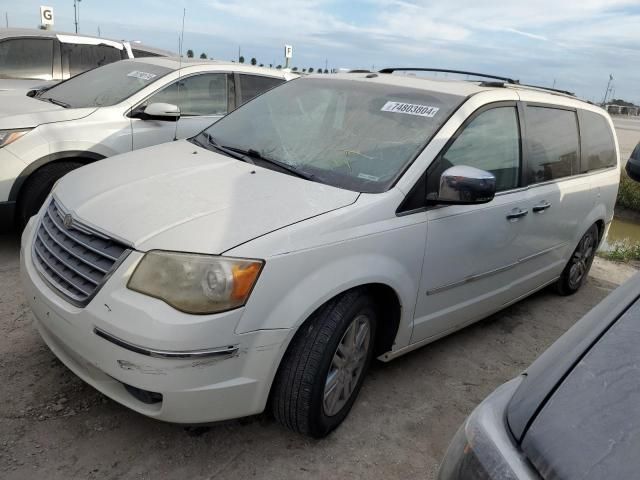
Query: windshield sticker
point(141, 75)
point(364, 176)
point(410, 109)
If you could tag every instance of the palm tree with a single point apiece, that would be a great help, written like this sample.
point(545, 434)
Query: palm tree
point(326, 71)
point(203, 56)
point(262, 64)
point(279, 67)
point(310, 69)
point(294, 69)
point(190, 53)
point(304, 70)
point(319, 70)
point(241, 59)
point(253, 61)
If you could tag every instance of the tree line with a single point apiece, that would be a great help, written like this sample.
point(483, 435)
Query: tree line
point(253, 61)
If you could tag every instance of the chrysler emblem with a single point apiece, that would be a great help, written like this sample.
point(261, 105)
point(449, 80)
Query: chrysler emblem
point(67, 221)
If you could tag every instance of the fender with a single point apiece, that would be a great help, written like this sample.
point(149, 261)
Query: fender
point(284, 305)
point(33, 166)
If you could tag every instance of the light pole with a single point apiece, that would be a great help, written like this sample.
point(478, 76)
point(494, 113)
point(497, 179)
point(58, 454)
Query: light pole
point(76, 12)
point(606, 92)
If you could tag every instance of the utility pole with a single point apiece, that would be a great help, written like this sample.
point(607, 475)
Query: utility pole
point(6, 18)
point(99, 31)
point(606, 92)
point(239, 54)
point(76, 12)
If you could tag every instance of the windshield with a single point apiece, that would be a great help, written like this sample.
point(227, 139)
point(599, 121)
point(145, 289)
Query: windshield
point(350, 134)
point(105, 86)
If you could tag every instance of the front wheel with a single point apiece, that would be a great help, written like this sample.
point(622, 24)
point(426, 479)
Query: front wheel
point(323, 369)
point(577, 269)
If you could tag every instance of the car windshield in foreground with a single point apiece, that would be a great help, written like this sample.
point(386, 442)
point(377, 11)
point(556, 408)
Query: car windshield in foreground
point(104, 86)
point(350, 134)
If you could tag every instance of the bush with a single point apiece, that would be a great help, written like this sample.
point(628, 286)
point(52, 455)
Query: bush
point(628, 193)
point(622, 252)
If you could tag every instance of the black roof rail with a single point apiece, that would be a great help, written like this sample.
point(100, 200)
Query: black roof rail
point(564, 92)
point(442, 70)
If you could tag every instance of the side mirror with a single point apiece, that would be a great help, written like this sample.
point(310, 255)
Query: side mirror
point(633, 164)
point(462, 185)
point(161, 111)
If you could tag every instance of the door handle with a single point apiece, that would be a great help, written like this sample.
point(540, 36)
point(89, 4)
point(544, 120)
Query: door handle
point(541, 207)
point(516, 214)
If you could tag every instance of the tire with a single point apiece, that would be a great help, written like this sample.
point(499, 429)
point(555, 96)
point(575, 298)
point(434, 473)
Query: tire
point(35, 191)
point(577, 269)
point(298, 398)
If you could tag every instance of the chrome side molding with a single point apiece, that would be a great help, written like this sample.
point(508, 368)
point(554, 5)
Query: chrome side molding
point(204, 353)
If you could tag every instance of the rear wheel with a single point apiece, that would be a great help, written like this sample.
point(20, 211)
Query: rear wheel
point(577, 269)
point(37, 187)
point(323, 369)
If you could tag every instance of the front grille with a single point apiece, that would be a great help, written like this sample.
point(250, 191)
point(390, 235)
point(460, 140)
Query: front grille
point(75, 260)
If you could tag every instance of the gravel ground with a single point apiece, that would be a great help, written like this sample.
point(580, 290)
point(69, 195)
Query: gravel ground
point(54, 426)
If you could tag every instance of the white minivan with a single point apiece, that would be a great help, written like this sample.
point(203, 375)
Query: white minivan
point(337, 218)
point(109, 110)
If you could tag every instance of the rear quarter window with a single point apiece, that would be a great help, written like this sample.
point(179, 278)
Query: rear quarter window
point(253, 85)
point(552, 143)
point(598, 146)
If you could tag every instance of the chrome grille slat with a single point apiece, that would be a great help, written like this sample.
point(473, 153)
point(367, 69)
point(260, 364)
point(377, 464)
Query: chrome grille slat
point(73, 259)
point(47, 262)
point(70, 252)
point(65, 263)
point(55, 220)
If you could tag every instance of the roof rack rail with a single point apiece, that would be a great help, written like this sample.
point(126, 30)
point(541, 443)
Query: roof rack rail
point(564, 92)
point(442, 70)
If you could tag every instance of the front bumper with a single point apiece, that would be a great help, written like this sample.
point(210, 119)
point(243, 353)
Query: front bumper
point(192, 390)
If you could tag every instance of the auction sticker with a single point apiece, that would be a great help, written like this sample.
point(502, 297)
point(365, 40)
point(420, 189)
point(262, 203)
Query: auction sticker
point(141, 75)
point(410, 109)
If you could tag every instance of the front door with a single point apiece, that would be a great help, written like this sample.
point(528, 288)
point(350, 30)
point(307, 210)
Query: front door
point(472, 252)
point(202, 99)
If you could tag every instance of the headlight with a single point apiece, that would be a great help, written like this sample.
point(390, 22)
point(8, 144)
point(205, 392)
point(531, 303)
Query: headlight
point(483, 448)
point(10, 136)
point(195, 283)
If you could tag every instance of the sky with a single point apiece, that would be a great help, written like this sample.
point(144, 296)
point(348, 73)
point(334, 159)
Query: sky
point(572, 44)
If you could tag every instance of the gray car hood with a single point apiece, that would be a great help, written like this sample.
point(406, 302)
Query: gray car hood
point(178, 196)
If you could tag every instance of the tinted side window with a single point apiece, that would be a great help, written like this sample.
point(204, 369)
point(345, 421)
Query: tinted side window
point(253, 85)
point(598, 147)
point(27, 58)
point(143, 53)
point(204, 94)
point(491, 142)
point(81, 58)
point(552, 142)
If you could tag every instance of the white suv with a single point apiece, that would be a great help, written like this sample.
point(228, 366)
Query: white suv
point(329, 221)
point(113, 109)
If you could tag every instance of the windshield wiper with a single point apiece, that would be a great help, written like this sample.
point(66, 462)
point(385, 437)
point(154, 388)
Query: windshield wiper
point(252, 153)
point(227, 151)
point(54, 101)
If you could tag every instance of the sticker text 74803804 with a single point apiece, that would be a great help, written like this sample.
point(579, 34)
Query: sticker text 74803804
point(410, 109)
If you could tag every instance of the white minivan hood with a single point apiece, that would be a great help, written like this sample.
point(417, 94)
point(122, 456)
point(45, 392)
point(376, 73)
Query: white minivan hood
point(19, 111)
point(178, 196)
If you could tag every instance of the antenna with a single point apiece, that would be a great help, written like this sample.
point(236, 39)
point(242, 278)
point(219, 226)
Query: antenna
point(184, 14)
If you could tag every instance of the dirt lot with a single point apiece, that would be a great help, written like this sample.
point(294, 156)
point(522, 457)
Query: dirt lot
point(53, 426)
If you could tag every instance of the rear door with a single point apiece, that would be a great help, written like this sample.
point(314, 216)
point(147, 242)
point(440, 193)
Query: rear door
point(202, 99)
point(472, 252)
point(559, 198)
